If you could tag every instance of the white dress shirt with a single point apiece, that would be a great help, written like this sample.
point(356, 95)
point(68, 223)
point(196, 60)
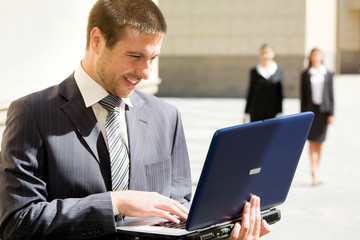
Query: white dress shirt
point(317, 79)
point(267, 73)
point(92, 93)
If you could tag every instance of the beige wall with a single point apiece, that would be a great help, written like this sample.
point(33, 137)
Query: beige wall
point(212, 44)
point(233, 27)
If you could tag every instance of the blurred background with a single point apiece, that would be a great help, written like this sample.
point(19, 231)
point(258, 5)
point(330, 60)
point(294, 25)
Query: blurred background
point(207, 52)
point(217, 41)
point(204, 71)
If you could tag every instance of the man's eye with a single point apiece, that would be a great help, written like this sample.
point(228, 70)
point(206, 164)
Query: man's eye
point(135, 56)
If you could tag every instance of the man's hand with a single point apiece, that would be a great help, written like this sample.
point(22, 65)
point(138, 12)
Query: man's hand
point(251, 226)
point(148, 204)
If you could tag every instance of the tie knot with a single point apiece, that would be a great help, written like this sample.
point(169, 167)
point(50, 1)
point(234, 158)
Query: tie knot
point(111, 103)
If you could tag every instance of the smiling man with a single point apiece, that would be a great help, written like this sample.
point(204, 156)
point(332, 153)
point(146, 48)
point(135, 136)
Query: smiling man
point(79, 156)
point(120, 68)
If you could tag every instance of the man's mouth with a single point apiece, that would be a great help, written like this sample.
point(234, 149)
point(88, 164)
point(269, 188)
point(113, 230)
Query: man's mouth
point(132, 81)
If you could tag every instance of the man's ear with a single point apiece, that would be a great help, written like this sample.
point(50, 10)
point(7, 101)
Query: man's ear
point(96, 39)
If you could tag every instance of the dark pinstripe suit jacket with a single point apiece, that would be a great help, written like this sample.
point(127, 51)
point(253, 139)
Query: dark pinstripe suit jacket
point(54, 166)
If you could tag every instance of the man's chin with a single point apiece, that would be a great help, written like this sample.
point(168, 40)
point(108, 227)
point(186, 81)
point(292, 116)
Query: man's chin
point(125, 94)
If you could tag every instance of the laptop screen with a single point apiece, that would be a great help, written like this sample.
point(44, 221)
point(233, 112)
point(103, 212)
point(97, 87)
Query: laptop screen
point(256, 158)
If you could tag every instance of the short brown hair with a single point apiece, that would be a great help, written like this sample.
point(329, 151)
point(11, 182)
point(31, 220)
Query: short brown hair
point(112, 16)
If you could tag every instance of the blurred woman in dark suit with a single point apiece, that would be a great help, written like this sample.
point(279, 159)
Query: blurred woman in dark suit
point(265, 94)
point(317, 96)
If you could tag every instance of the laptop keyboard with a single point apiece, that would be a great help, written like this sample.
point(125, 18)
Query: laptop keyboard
point(169, 224)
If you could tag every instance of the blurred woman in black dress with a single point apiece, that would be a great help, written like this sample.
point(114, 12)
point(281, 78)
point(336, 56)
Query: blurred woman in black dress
point(265, 94)
point(317, 96)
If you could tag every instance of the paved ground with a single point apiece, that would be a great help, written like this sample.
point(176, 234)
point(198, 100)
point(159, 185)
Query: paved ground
point(329, 211)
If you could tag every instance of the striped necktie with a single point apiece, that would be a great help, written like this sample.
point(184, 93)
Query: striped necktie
point(119, 157)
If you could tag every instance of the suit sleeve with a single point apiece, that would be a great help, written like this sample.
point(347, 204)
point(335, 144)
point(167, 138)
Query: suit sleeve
point(280, 94)
point(331, 94)
point(303, 92)
point(25, 212)
point(251, 91)
point(181, 177)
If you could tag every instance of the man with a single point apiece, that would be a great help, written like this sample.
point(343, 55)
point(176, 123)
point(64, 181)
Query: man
point(56, 169)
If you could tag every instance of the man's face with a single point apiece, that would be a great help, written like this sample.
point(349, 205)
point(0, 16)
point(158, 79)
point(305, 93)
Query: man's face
point(121, 68)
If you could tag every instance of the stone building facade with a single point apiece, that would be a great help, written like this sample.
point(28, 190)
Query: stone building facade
point(212, 44)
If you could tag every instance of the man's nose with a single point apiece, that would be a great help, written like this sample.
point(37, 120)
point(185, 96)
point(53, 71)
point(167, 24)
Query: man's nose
point(144, 69)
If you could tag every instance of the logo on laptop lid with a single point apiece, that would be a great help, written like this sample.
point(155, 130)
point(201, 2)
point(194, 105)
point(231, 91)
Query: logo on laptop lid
point(254, 171)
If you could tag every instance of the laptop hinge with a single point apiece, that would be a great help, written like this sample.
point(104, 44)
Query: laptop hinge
point(271, 216)
point(213, 226)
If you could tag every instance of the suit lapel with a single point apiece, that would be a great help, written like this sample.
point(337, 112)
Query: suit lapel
point(137, 118)
point(86, 124)
point(83, 119)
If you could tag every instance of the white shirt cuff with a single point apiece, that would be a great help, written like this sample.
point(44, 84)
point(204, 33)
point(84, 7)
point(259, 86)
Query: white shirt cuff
point(115, 210)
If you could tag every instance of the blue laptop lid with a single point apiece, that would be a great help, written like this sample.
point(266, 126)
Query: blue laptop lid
point(257, 158)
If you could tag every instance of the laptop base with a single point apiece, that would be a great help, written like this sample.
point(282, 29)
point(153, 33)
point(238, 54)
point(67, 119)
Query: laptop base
point(219, 232)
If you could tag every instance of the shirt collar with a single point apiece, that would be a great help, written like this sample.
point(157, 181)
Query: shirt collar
point(314, 71)
point(263, 72)
point(91, 91)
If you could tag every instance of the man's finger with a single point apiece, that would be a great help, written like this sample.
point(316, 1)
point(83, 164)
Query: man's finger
point(245, 222)
point(173, 207)
point(257, 216)
point(265, 228)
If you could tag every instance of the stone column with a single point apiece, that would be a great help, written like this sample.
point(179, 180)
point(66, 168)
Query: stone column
point(320, 30)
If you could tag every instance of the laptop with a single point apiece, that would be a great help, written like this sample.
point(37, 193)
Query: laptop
point(258, 158)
